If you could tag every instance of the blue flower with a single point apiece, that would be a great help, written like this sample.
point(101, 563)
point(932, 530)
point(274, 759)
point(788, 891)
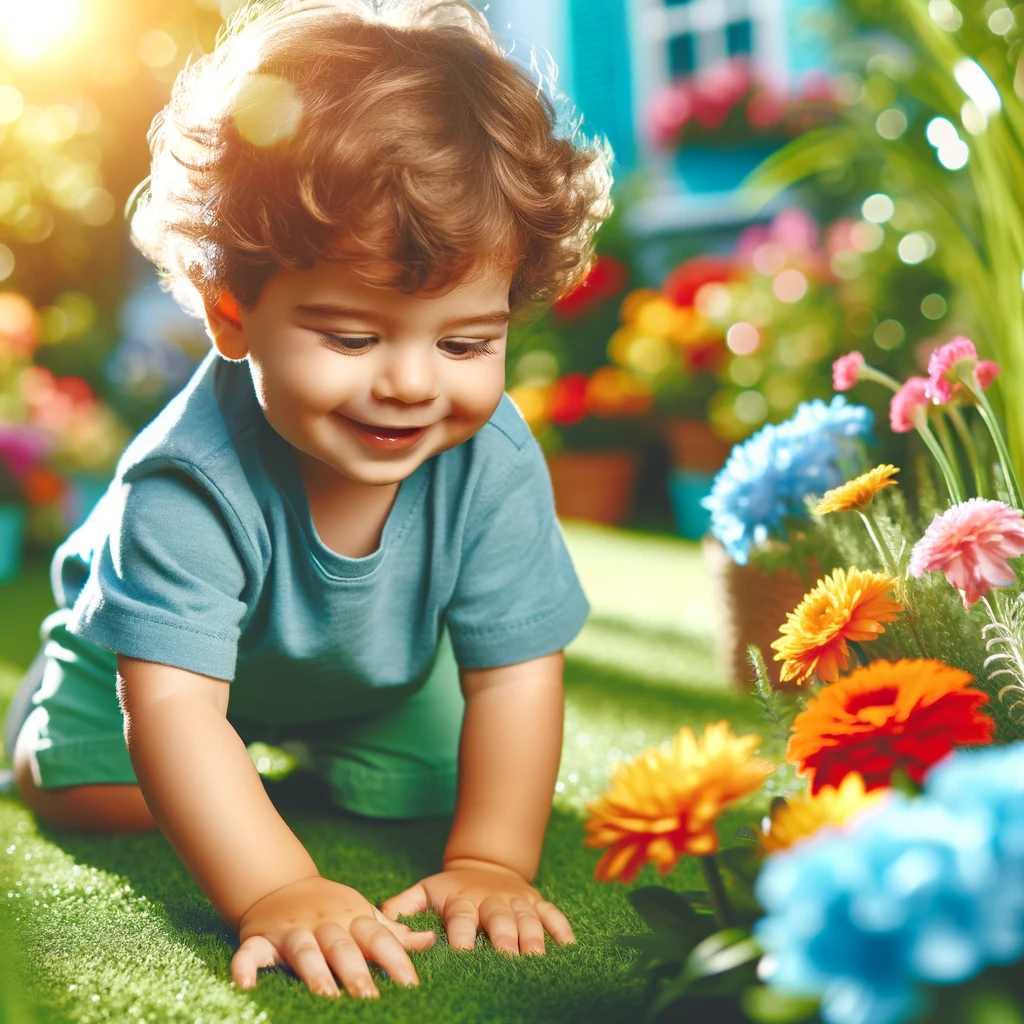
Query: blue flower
point(769, 476)
point(910, 896)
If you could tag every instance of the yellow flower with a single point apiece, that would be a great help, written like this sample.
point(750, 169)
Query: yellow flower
point(848, 605)
point(857, 494)
point(793, 821)
point(664, 803)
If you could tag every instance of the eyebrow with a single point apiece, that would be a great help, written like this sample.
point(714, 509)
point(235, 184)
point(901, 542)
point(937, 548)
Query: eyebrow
point(325, 311)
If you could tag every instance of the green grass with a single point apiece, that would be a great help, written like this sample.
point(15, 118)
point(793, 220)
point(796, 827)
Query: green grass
point(95, 929)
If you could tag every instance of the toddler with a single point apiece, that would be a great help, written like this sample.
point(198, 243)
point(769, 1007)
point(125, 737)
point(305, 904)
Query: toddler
point(340, 535)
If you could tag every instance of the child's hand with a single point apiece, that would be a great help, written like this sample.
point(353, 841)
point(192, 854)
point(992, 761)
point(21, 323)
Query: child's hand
point(510, 910)
point(316, 926)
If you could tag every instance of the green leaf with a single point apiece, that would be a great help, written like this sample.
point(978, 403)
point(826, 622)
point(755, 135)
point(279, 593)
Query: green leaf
point(724, 951)
point(670, 915)
point(769, 1006)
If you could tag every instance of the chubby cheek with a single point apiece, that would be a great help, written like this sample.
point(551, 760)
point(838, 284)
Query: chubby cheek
point(473, 401)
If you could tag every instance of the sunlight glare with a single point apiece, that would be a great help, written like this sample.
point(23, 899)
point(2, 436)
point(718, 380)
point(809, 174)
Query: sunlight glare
point(28, 31)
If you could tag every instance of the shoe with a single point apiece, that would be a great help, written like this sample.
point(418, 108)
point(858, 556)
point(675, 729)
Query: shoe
point(21, 703)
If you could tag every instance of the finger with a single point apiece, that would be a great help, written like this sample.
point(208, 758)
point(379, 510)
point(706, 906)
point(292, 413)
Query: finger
point(531, 931)
point(346, 960)
point(417, 941)
point(413, 901)
point(499, 922)
point(255, 952)
point(379, 944)
point(303, 953)
point(461, 920)
point(555, 922)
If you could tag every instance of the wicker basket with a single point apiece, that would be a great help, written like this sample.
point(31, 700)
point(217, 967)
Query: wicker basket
point(751, 606)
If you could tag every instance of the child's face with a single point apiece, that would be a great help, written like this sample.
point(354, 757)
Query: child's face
point(329, 352)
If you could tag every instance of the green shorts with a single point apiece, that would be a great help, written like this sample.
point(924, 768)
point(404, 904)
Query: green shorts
point(397, 763)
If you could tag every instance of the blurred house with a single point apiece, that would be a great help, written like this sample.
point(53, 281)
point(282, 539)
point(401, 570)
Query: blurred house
point(613, 56)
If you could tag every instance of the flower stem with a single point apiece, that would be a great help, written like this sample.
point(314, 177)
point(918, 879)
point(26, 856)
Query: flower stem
point(870, 373)
point(967, 440)
point(989, 416)
point(948, 447)
point(940, 457)
point(716, 892)
point(875, 533)
point(858, 649)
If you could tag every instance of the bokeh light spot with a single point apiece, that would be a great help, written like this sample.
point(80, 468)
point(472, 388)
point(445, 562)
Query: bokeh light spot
point(750, 407)
point(6, 262)
point(266, 110)
point(955, 155)
point(30, 30)
point(891, 123)
point(11, 104)
point(649, 354)
point(790, 286)
point(866, 236)
point(916, 247)
point(973, 117)
point(941, 132)
point(889, 334)
point(877, 209)
point(743, 338)
point(746, 372)
point(934, 306)
point(1001, 20)
point(713, 301)
point(945, 15)
point(157, 49)
point(97, 207)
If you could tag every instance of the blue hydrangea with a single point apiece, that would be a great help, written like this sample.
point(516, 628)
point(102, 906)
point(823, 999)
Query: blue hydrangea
point(915, 894)
point(769, 476)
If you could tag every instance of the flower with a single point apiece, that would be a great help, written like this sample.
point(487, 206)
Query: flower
point(569, 399)
point(848, 605)
point(908, 896)
point(792, 821)
point(970, 543)
point(605, 279)
point(987, 372)
point(946, 366)
point(769, 476)
point(846, 371)
point(664, 803)
point(858, 493)
point(886, 716)
point(908, 409)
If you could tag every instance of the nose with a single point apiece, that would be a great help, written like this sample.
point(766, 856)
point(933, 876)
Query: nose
point(408, 375)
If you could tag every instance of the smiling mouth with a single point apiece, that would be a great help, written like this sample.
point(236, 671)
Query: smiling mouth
point(388, 431)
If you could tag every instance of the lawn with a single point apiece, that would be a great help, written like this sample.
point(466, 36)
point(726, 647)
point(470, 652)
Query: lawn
point(96, 929)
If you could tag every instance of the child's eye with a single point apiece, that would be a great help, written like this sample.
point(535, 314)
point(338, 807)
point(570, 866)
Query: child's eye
point(345, 344)
point(469, 350)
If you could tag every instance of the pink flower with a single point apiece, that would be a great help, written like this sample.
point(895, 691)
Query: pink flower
point(846, 371)
point(987, 372)
point(670, 111)
point(909, 406)
point(970, 543)
point(766, 108)
point(945, 365)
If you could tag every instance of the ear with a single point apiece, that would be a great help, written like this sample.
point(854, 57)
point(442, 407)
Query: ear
point(224, 325)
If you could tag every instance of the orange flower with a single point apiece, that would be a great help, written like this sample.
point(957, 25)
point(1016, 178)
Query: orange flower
point(907, 714)
point(793, 821)
point(857, 494)
point(848, 605)
point(664, 803)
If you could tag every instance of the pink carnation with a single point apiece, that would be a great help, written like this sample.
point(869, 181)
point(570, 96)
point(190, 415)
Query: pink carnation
point(943, 367)
point(970, 544)
point(846, 371)
point(907, 403)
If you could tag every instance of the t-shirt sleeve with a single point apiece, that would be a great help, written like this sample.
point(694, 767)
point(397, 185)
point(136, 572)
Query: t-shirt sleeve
point(517, 596)
point(166, 581)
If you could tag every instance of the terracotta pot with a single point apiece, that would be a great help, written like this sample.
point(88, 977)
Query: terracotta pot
point(751, 606)
point(594, 485)
point(692, 444)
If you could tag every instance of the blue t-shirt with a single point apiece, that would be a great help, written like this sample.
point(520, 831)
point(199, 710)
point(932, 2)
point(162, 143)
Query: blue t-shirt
point(203, 554)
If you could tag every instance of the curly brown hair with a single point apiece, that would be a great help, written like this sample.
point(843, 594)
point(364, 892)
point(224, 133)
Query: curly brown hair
point(394, 136)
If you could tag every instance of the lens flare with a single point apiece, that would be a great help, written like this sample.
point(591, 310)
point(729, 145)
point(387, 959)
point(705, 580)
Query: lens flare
point(30, 31)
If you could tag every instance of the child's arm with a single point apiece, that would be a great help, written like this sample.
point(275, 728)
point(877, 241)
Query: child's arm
point(205, 793)
point(508, 762)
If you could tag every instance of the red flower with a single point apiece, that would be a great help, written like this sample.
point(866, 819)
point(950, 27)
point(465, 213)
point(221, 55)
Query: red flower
point(907, 714)
point(605, 279)
point(683, 283)
point(569, 399)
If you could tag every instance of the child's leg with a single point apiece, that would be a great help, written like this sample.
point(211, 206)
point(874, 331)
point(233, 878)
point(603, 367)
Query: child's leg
point(400, 763)
point(70, 759)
